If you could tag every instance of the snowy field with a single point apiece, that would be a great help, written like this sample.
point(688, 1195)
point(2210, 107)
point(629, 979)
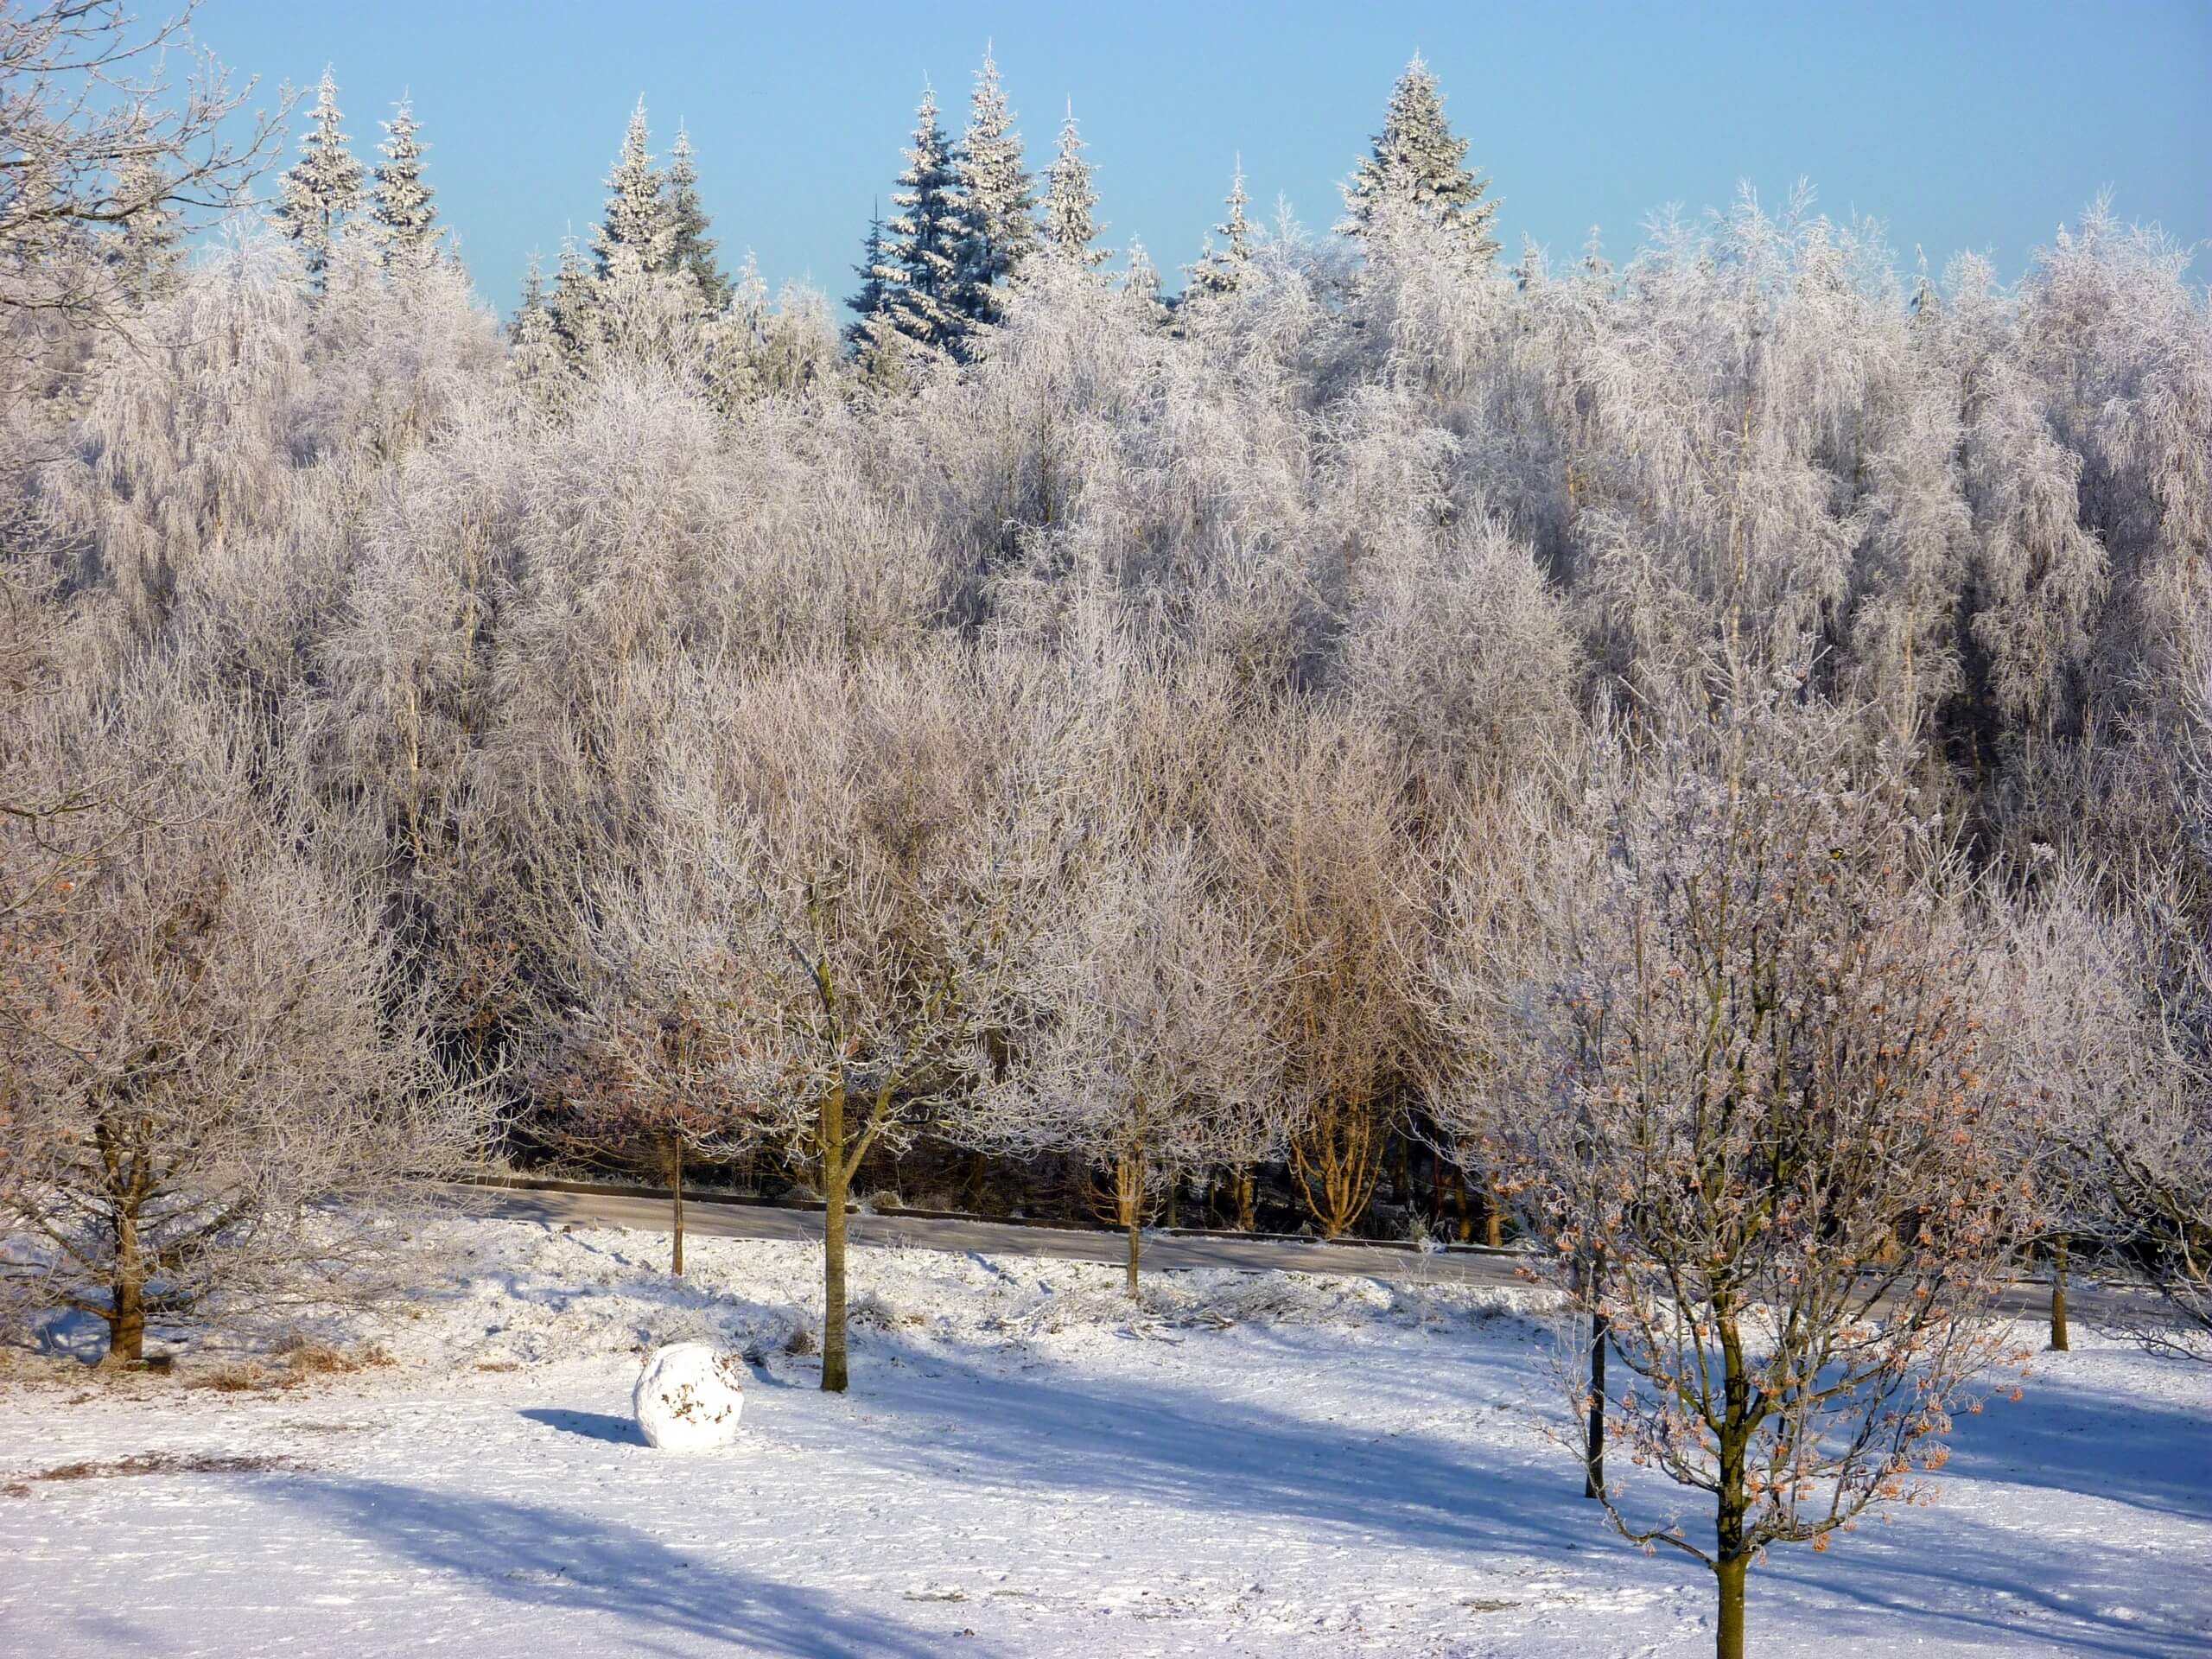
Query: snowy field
point(1260, 1464)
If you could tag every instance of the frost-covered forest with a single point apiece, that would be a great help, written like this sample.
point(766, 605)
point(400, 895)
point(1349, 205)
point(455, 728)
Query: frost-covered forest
point(1701, 763)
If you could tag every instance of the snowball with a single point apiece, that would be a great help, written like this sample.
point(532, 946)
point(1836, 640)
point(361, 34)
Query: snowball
point(688, 1396)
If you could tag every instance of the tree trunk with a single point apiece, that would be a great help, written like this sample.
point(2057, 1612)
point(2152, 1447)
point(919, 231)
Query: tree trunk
point(1728, 1632)
point(1493, 1216)
point(1246, 1217)
point(2060, 1340)
point(1593, 1474)
point(676, 1195)
point(126, 1320)
point(1128, 1198)
point(834, 1176)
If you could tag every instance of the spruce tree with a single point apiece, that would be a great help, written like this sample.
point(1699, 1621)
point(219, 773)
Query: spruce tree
point(691, 249)
point(748, 303)
point(1220, 270)
point(1140, 289)
point(406, 222)
point(1417, 166)
point(149, 252)
point(1070, 201)
point(874, 295)
point(997, 203)
point(920, 269)
point(577, 308)
point(637, 208)
point(323, 187)
point(533, 343)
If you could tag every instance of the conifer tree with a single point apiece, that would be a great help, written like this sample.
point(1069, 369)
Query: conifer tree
point(1417, 166)
point(150, 254)
point(577, 309)
point(1140, 286)
point(874, 295)
point(1221, 270)
point(691, 249)
point(401, 203)
point(919, 270)
point(323, 187)
point(533, 344)
point(1070, 201)
point(748, 303)
point(638, 217)
point(997, 205)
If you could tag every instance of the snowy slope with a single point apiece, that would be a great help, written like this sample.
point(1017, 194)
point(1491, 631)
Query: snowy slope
point(1260, 1464)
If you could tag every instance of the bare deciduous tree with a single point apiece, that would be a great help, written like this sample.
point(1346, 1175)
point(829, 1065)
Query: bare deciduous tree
point(92, 137)
point(209, 1046)
point(1751, 1102)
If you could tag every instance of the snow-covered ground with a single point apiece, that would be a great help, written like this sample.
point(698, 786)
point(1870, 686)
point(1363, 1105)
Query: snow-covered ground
point(1260, 1464)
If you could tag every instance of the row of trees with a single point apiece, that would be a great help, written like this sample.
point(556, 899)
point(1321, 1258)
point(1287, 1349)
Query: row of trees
point(1720, 748)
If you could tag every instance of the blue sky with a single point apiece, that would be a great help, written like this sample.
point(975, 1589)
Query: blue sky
point(1962, 126)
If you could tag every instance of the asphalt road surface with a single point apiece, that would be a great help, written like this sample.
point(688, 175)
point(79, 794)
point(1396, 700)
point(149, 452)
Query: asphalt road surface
point(2089, 1303)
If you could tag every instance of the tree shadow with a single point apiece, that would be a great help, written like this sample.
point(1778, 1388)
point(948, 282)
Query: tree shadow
point(540, 1556)
point(1056, 1425)
point(2133, 1450)
point(591, 1425)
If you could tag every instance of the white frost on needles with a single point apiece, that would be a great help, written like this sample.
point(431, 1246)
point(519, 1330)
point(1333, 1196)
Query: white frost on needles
point(689, 1397)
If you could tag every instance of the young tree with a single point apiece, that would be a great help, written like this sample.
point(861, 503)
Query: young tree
point(577, 308)
point(1141, 1042)
point(322, 189)
point(220, 1048)
point(1069, 227)
point(691, 249)
point(151, 259)
point(1139, 286)
point(1324, 854)
point(652, 1068)
point(1220, 270)
point(921, 271)
point(1418, 166)
point(873, 297)
point(1752, 1105)
point(998, 231)
point(399, 202)
point(637, 217)
point(839, 832)
point(533, 345)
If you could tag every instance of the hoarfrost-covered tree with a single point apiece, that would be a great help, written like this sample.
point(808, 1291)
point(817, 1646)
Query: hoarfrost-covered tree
point(1069, 227)
point(400, 202)
point(921, 272)
point(1139, 286)
point(691, 249)
point(577, 309)
point(873, 298)
point(224, 1048)
point(1417, 166)
point(322, 189)
point(1146, 1053)
point(533, 344)
point(998, 229)
point(151, 257)
point(839, 832)
point(1220, 270)
point(96, 138)
point(1755, 1075)
point(637, 219)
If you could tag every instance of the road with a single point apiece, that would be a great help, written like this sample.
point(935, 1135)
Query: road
point(1161, 1250)
point(2090, 1304)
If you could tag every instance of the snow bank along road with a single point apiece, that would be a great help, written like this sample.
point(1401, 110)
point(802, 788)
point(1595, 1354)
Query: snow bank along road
point(1253, 1465)
point(705, 1218)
